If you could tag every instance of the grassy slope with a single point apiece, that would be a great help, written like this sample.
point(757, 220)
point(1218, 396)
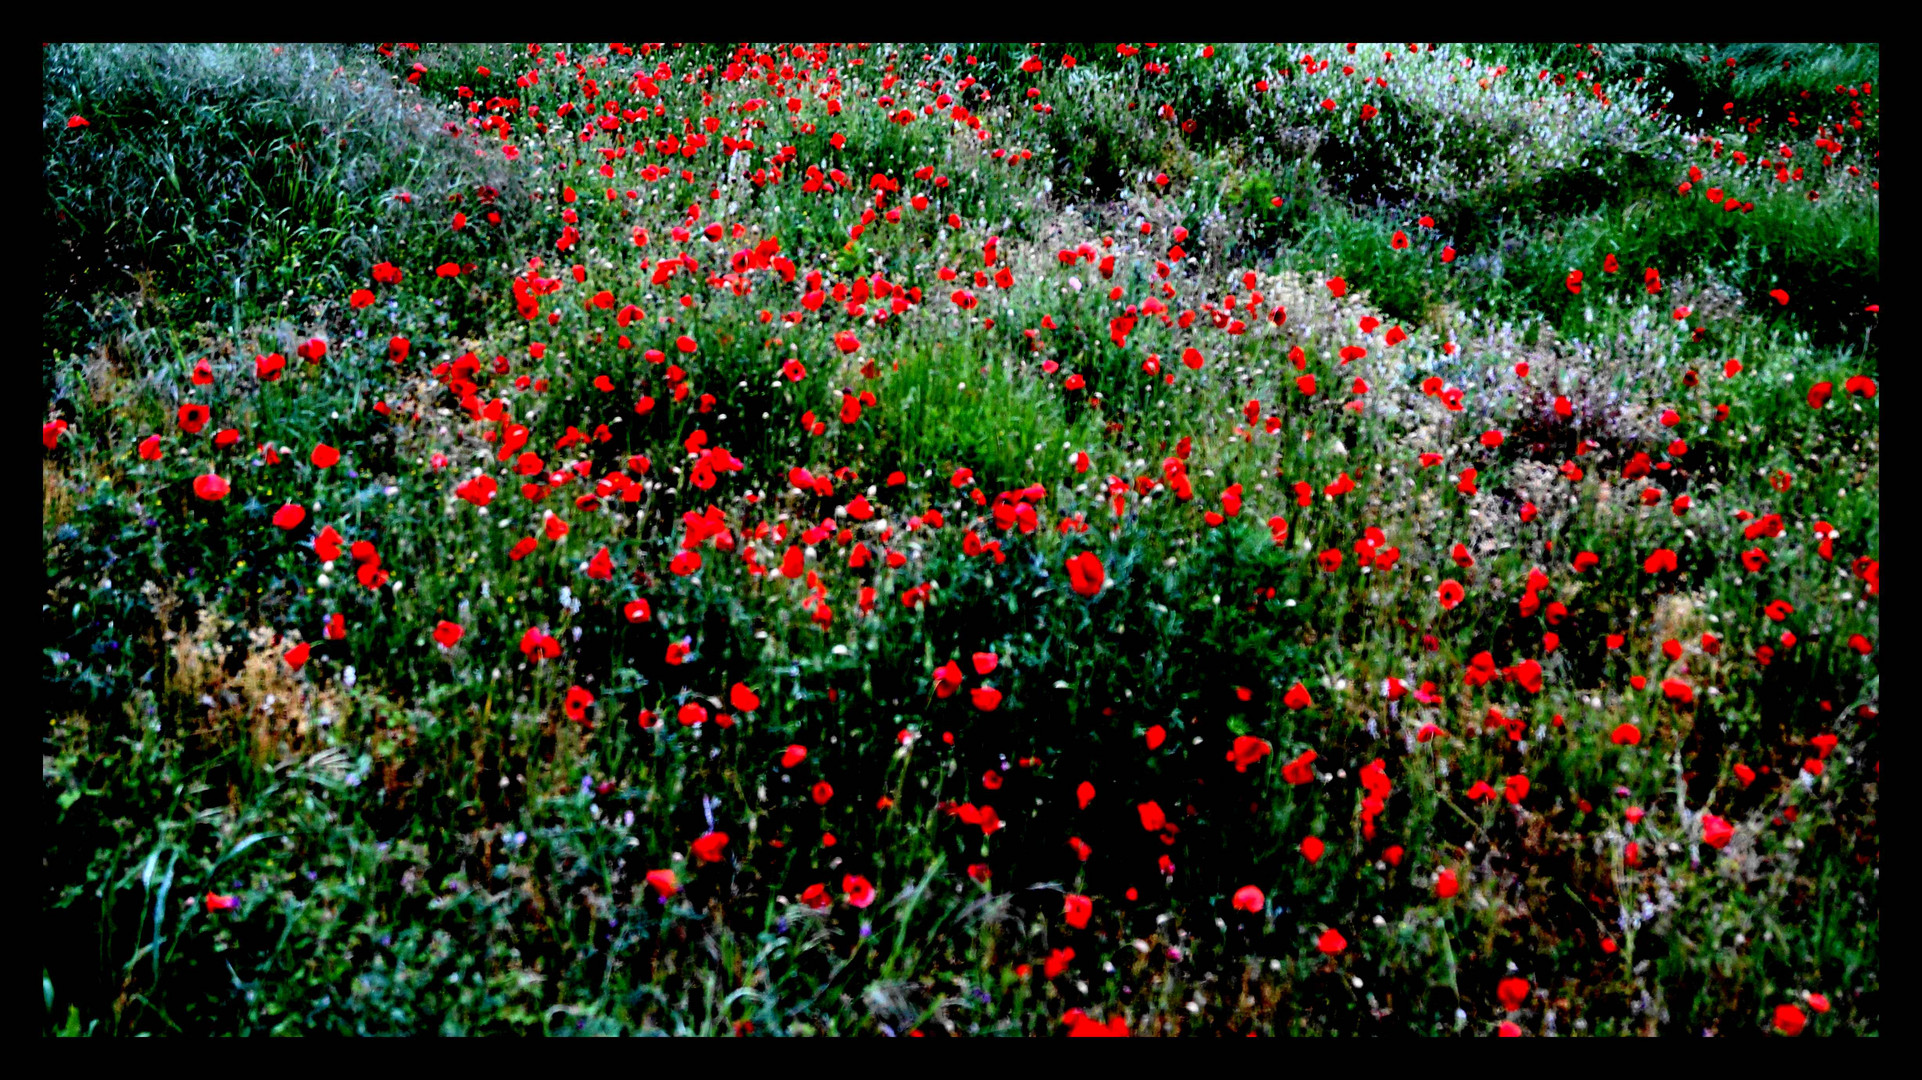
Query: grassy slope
point(419, 838)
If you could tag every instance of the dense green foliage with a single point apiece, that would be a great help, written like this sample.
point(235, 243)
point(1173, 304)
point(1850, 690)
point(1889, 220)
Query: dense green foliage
point(1284, 339)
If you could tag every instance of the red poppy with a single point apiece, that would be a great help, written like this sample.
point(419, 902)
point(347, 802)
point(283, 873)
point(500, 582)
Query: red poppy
point(1152, 819)
point(1513, 991)
point(1085, 573)
point(1076, 911)
point(1312, 848)
point(1250, 899)
point(1790, 1020)
point(1058, 960)
point(859, 891)
point(1247, 751)
point(743, 699)
point(601, 566)
point(578, 699)
point(211, 488)
point(1331, 942)
point(1716, 833)
point(708, 847)
point(1515, 789)
point(448, 633)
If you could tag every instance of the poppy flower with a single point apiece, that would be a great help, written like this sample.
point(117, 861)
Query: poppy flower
point(986, 698)
point(1152, 819)
point(213, 900)
point(448, 634)
point(324, 456)
point(1247, 751)
point(1057, 962)
point(663, 882)
point(601, 566)
point(1084, 794)
point(1626, 735)
point(1512, 991)
point(821, 792)
point(1331, 942)
point(743, 699)
point(578, 699)
point(1076, 910)
point(708, 847)
point(1515, 789)
point(211, 488)
point(1447, 884)
point(1250, 899)
point(1450, 594)
point(859, 891)
point(1312, 848)
point(296, 656)
point(1085, 573)
point(1297, 697)
point(1790, 1020)
point(1716, 833)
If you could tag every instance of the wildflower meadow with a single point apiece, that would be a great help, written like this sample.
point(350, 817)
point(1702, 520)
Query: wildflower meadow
point(941, 539)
